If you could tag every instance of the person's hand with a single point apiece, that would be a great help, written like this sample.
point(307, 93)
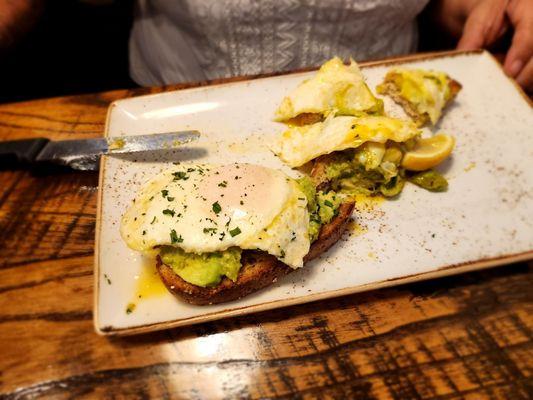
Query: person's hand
point(488, 20)
point(485, 22)
point(519, 59)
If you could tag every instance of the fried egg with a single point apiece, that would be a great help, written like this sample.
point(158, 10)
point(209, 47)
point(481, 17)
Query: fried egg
point(207, 208)
point(300, 144)
point(335, 88)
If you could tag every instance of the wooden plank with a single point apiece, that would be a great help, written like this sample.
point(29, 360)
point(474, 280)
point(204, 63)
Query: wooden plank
point(465, 335)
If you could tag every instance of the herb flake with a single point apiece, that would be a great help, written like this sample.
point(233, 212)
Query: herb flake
point(235, 232)
point(216, 207)
point(174, 238)
point(180, 175)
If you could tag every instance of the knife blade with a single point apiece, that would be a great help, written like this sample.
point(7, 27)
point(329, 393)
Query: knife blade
point(84, 154)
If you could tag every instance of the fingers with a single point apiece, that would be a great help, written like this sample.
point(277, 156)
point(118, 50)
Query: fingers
point(521, 51)
point(485, 24)
point(473, 36)
point(525, 77)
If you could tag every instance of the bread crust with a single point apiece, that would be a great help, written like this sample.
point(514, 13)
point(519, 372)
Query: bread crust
point(258, 270)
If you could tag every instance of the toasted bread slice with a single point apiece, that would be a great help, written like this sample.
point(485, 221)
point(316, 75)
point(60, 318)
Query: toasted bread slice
point(389, 88)
point(258, 270)
point(318, 171)
point(305, 119)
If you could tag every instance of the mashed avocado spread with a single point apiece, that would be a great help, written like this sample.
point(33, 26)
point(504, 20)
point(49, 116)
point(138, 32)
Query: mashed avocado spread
point(360, 171)
point(203, 269)
point(322, 206)
point(430, 180)
point(208, 269)
point(349, 175)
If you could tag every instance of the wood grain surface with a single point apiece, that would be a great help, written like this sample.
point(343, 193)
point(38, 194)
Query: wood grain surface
point(462, 337)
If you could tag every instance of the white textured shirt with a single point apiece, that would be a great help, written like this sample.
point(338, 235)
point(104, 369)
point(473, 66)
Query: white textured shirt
point(191, 40)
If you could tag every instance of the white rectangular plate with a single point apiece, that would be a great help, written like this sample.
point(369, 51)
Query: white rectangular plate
point(484, 219)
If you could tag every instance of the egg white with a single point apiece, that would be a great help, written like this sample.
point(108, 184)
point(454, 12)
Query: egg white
point(300, 144)
point(208, 208)
point(335, 87)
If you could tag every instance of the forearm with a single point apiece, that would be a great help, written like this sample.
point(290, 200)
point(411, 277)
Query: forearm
point(16, 19)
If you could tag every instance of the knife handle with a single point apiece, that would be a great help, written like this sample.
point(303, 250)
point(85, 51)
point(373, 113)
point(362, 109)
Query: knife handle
point(16, 152)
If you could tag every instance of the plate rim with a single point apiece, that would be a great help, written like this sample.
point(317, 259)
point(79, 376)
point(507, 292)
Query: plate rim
point(442, 271)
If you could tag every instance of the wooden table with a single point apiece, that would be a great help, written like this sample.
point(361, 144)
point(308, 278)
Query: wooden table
point(468, 336)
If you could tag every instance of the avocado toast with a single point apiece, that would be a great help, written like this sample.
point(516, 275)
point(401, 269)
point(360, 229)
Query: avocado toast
point(258, 270)
point(422, 94)
point(220, 232)
point(363, 151)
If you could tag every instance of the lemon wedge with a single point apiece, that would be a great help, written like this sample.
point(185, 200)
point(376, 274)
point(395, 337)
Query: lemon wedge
point(428, 153)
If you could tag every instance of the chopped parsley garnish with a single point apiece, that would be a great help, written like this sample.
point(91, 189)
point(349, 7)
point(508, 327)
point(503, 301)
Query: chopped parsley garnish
point(155, 219)
point(241, 202)
point(170, 198)
point(169, 212)
point(282, 254)
point(235, 232)
point(190, 170)
point(223, 184)
point(216, 207)
point(328, 203)
point(164, 193)
point(180, 175)
point(174, 238)
point(144, 232)
point(212, 231)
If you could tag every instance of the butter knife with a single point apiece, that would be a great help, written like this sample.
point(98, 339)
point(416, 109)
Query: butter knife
point(84, 154)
